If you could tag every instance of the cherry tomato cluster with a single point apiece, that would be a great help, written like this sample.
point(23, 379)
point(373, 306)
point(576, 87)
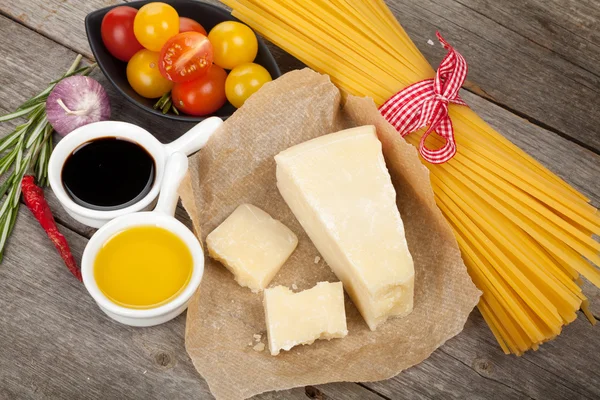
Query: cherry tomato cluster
point(165, 52)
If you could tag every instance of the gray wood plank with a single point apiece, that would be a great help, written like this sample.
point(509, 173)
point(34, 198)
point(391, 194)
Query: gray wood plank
point(506, 64)
point(44, 312)
point(508, 67)
point(565, 27)
point(444, 377)
point(593, 294)
point(62, 21)
point(341, 390)
point(99, 358)
point(475, 351)
point(56, 343)
point(576, 164)
point(21, 59)
point(562, 369)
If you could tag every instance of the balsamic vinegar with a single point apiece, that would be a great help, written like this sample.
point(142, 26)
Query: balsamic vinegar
point(108, 174)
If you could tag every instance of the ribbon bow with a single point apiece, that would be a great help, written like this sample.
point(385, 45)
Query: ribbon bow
point(426, 103)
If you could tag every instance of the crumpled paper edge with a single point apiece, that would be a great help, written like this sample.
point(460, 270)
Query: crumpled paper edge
point(426, 194)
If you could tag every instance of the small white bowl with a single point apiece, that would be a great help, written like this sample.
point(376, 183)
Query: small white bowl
point(188, 143)
point(162, 217)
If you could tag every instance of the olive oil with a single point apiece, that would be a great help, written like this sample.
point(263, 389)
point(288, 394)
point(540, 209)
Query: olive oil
point(108, 174)
point(143, 267)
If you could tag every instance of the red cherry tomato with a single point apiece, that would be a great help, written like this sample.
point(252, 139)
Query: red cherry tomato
point(117, 33)
point(201, 96)
point(189, 25)
point(185, 57)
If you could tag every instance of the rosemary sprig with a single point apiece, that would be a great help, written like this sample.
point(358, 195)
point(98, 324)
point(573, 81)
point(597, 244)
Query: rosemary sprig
point(27, 150)
point(166, 104)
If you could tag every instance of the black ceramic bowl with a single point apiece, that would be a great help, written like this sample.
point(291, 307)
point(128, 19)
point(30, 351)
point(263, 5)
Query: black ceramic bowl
point(207, 15)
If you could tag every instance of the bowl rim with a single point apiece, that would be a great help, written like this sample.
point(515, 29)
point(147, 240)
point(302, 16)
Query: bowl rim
point(145, 218)
point(171, 116)
point(91, 132)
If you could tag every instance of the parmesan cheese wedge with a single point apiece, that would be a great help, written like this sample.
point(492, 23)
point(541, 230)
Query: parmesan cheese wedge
point(340, 190)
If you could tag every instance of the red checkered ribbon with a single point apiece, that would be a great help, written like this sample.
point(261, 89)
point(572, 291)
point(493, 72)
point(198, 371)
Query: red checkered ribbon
point(425, 103)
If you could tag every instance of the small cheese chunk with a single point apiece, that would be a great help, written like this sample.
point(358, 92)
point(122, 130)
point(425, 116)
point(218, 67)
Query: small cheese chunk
point(252, 245)
point(259, 347)
point(301, 318)
point(340, 190)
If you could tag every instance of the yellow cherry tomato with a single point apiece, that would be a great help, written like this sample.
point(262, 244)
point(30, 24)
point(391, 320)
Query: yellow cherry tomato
point(243, 81)
point(154, 24)
point(233, 44)
point(145, 77)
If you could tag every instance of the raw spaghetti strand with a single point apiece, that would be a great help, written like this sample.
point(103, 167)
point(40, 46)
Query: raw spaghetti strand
point(522, 230)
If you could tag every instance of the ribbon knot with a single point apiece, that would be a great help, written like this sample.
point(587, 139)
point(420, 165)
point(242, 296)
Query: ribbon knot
point(442, 98)
point(425, 103)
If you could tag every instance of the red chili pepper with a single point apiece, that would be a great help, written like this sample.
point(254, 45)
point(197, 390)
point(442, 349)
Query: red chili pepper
point(36, 202)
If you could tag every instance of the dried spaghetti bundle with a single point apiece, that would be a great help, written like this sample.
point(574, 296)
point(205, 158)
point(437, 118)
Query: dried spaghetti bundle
point(524, 233)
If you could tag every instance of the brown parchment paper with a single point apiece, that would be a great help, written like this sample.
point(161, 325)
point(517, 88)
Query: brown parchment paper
point(237, 167)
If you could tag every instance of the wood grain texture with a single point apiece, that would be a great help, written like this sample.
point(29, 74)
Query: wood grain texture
point(565, 27)
point(474, 356)
point(529, 376)
point(508, 67)
point(21, 57)
point(56, 343)
point(59, 338)
point(472, 366)
point(547, 84)
point(62, 344)
point(576, 165)
point(63, 22)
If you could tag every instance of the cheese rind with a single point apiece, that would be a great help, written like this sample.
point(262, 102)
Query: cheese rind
point(252, 245)
point(340, 190)
point(301, 318)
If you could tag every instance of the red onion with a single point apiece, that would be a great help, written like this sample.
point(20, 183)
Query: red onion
point(76, 101)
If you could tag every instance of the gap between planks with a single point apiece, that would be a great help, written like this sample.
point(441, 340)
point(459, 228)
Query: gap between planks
point(528, 116)
point(535, 22)
point(475, 90)
point(62, 46)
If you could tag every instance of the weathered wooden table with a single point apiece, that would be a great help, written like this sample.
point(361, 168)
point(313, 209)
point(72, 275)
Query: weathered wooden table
point(534, 75)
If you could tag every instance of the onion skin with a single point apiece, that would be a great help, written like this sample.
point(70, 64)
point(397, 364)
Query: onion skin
point(76, 101)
